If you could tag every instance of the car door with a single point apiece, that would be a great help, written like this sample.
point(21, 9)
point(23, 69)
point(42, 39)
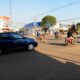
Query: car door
point(18, 40)
point(6, 41)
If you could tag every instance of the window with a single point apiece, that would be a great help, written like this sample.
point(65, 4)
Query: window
point(17, 36)
point(3, 36)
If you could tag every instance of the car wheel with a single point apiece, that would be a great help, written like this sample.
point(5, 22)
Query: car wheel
point(0, 51)
point(30, 47)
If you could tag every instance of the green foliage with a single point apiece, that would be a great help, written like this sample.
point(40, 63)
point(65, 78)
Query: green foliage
point(73, 28)
point(78, 27)
point(48, 21)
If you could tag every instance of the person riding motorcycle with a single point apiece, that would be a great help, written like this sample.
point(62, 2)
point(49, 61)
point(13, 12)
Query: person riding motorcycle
point(57, 34)
point(70, 38)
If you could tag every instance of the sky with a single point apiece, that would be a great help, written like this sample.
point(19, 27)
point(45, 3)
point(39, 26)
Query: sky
point(23, 11)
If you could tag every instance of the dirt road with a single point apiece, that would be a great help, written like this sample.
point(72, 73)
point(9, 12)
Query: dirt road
point(57, 49)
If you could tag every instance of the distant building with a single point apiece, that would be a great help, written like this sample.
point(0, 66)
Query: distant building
point(64, 26)
point(4, 24)
point(30, 29)
point(54, 28)
point(58, 27)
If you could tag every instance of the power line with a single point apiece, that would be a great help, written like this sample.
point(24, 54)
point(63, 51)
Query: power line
point(58, 8)
point(69, 19)
point(64, 20)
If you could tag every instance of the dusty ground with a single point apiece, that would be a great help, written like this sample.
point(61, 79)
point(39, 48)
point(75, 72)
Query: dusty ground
point(49, 61)
point(64, 54)
point(57, 49)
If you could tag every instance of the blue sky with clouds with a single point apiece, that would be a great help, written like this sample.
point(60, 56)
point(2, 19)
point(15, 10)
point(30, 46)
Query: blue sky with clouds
point(23, 10)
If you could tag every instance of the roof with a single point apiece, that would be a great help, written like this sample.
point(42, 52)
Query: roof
point(5, 17)
point(6, 28)
point(31, 25)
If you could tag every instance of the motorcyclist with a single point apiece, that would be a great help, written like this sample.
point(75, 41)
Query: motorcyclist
point(57, 34)
point(70, 37)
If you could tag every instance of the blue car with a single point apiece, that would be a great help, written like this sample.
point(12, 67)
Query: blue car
point(13, 40)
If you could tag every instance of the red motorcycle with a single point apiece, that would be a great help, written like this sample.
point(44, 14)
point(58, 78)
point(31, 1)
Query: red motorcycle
point(69, 40)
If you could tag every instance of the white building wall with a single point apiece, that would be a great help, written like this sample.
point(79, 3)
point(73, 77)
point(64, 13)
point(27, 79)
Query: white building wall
point(3, 24)
point(56, 26)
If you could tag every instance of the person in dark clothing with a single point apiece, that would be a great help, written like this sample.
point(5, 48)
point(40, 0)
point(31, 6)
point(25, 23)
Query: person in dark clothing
point(38, 34)
point(57, 35)
point(70, 37)
point(69, 34)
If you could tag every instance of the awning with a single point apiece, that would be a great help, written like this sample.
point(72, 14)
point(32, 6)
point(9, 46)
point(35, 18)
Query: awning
point(31, 25)
point(5, 17)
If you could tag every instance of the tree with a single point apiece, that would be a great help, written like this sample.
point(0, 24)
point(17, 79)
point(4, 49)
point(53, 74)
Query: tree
point(78, 27)
point(47, 22)
point(73, 28)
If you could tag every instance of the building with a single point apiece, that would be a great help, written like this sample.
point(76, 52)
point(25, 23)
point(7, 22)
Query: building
point(4, 24)
point(31, 28)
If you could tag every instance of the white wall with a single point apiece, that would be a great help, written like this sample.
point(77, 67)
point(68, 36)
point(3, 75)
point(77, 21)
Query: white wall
point(1, 24)
point(56, 26)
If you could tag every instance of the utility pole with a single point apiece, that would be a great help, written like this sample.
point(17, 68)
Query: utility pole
point(10, 2)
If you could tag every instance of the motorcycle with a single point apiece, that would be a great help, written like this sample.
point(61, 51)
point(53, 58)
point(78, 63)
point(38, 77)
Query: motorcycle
point(57, 36)
point(69, 40)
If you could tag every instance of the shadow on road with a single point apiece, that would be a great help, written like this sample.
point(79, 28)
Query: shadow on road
point(34, 65)
point(57, 44)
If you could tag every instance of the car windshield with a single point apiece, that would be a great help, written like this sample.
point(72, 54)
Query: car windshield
point(18, 36)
